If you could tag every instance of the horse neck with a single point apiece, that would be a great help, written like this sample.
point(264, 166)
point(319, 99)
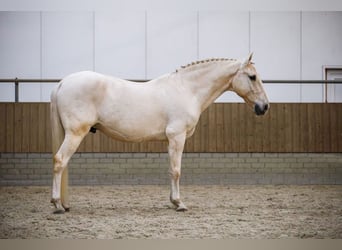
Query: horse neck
point(207, 81)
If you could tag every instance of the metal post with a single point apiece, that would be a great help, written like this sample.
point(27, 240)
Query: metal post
point(16, 90)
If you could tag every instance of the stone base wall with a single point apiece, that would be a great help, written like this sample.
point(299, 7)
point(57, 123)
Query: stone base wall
point(197, 168)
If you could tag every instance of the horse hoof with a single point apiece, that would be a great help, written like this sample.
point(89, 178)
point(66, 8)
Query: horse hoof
point(181, 209)
point(59, 211)
point(67, 209)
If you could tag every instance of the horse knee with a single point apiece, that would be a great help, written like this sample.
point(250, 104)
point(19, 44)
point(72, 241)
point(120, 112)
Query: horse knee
point(175, 173)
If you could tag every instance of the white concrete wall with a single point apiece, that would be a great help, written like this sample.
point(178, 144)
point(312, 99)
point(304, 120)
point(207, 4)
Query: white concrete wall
point(145, 44)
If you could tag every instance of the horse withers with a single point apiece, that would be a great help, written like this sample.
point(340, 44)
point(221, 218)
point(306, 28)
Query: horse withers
point(166, 108)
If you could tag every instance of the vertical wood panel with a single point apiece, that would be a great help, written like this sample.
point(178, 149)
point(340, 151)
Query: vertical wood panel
point(18, 128)
point(2, 128)
point(281, 127)
point(257, 143)
point(288, 143)
point(42, 147)
point(318, 112)
point(235, 129)
point(204, 120)
point(104, 142)
point(227, 133)
point(266, 136)
point(333, 127)
point(311, 128)
point(10, 134)
point(212, 128)
point(34, 128)
point(219, 127)
point(222, 128)
point(197, 136)
point(242, 121)
point(26, 126)
point(273, 146)
point(295, 128)
point(48, 133)
point(250, 135)
point(339, 127)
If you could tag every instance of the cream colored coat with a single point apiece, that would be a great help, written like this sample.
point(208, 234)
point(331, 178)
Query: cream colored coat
point(167, 108)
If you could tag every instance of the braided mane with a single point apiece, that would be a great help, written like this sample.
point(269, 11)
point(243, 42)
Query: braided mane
point(205, 61)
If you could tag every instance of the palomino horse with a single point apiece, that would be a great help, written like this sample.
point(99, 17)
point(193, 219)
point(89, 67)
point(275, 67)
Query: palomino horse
point(167, 108)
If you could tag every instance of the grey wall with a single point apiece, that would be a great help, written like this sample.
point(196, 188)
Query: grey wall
point(197, 168)
point(145, 44)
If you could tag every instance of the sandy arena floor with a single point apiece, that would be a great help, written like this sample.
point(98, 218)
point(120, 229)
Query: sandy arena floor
point(131, 212)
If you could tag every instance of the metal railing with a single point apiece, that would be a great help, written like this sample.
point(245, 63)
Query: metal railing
point(17, 81)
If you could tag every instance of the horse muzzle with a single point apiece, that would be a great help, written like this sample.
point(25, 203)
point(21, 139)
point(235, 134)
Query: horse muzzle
point(261, 109)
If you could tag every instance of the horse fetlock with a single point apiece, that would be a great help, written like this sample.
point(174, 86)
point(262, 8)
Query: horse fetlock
point(175, 201)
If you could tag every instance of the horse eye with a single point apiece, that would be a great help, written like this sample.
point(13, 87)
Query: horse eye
point(252, 77)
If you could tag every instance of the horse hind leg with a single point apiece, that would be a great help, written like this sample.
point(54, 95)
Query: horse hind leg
point(61, 159)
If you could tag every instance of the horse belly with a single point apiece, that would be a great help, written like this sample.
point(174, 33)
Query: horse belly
point(133, 130)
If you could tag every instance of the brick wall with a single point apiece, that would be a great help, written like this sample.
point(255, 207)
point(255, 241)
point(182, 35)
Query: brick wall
point(198, 168)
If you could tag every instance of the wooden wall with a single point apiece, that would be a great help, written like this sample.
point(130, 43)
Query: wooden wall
point(228, 127)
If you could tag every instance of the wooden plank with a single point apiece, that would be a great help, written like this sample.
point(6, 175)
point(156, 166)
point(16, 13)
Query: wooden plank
point(281, 128)
point(3, 128)
point(212, 128)
point(227, 127)
point(304, 136)
point(311, 127)
point(295, 125)
point(26, 127)
point(333, 128)
point(325, 128)
point(288, 144)
point(204, 132)
point(243, 119)
point(219, 126)
point(266, 125)
point(41, 126)
point(250, 134)
point(197, 136)
point(87, 144)
point(104, 147)
point(34, 128)
point(96, 142)
point(318, 114)
point(339, 127)
point(48, 133)
point(235, 128)
point(258, 134)
point(18, 127)
point(273, 146)
point(10, 134)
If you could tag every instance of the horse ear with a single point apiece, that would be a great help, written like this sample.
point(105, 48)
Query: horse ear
point(247, 60)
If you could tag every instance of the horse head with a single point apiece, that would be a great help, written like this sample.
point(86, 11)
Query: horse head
point(248, 85)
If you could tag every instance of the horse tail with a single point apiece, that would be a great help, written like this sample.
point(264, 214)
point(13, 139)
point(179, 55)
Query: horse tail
point(56, 124)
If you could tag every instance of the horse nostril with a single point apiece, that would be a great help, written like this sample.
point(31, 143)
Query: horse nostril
point(266, 107)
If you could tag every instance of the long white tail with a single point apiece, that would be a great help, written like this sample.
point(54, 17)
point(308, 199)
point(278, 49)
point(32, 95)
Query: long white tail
point(57, 140)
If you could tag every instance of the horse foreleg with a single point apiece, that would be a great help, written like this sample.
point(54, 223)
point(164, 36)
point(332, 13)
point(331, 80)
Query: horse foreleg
point(176, 146)
point(61, 159)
